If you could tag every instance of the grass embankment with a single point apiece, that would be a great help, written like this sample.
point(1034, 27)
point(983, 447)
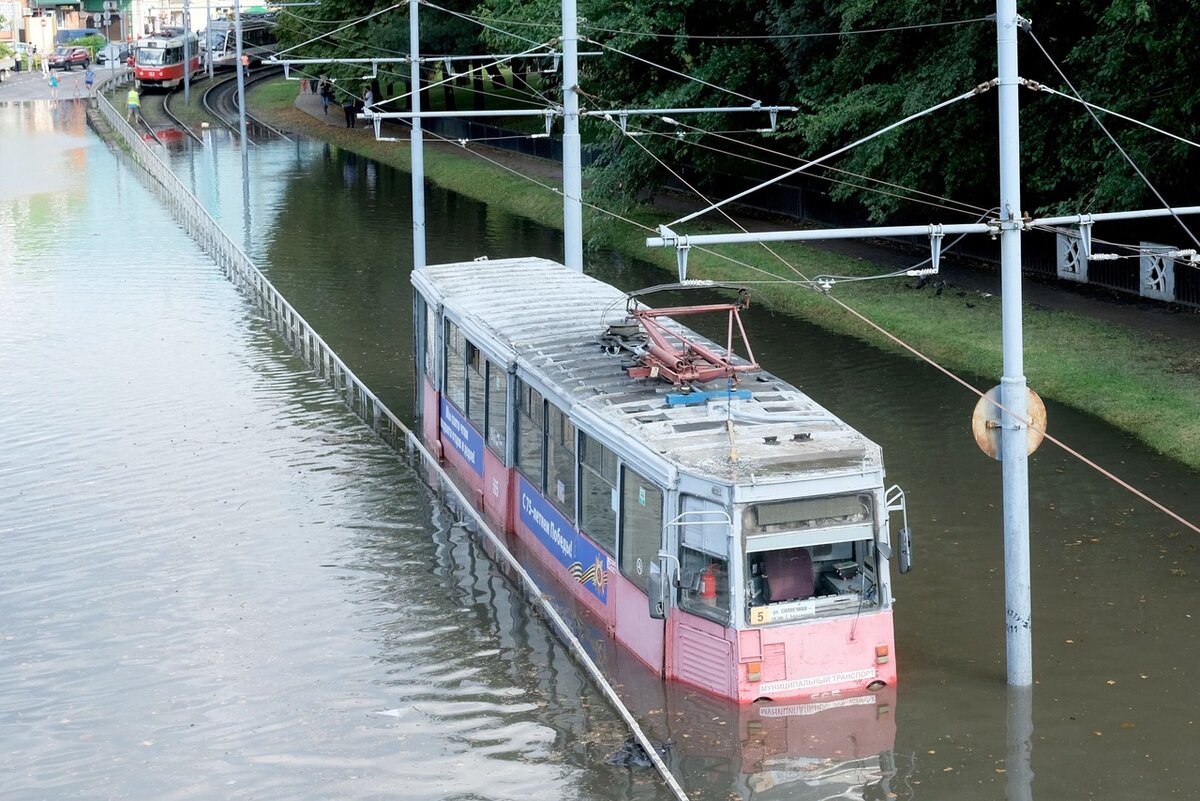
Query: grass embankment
point(1146, 385)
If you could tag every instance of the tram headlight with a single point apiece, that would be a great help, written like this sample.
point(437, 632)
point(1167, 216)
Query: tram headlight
point(754, 671)
point(881, 654)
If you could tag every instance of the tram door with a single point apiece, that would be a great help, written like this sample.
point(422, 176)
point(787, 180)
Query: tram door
point(641, 541)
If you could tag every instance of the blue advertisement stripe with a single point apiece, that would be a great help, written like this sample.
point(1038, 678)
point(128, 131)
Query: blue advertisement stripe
point(462, 436)
point(584, 563)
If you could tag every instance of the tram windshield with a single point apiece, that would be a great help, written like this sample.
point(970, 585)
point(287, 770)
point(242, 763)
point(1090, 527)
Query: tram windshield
point(808, 557)
point(153, 56)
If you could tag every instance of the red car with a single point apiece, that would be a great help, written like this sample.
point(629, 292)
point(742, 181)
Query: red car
point(68, 57)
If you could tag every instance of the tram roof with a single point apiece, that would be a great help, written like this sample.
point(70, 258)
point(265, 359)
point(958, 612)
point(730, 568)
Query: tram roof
point(551, 318)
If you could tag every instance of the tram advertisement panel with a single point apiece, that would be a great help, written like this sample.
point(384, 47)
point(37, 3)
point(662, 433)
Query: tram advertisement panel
point(459, 432)
point(584, 561)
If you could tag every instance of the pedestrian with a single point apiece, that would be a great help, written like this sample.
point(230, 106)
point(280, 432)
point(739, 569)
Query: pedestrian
point(89, 78)
point(53, 87)
point(133, 106)
point(368, 100)
point(326, 95)
point(76, 81)
point(45, 66)
point(348, 106)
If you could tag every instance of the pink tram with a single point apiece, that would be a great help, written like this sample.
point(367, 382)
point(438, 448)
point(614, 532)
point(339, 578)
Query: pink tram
point(158, 61)
point(729, 532)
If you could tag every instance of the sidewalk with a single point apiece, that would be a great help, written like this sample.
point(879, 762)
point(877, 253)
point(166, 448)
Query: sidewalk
point(25, 85)
point(1135, 313)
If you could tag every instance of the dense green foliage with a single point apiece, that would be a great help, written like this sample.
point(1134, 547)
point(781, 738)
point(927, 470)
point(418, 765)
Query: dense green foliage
point(852, 67)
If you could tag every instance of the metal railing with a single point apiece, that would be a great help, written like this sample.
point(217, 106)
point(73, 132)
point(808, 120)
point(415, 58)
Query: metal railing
point(308, 345)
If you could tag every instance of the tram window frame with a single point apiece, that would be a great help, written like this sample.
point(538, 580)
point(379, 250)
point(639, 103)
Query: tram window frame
point(455, 384)
point(694, 564)
point(560, 460)
point(531, 434)
point(599, 476)
point(476, 378)
point(430, 339)
point(634, 533)
point(496, 433)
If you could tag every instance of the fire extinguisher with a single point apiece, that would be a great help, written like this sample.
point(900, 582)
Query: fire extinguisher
point(708, 585)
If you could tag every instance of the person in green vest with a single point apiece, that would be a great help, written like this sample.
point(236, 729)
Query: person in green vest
point(133, 106)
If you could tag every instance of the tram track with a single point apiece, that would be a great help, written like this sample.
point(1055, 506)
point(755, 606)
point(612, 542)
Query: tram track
point(220, 101)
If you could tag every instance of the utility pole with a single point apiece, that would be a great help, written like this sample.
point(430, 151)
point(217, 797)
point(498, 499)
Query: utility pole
point(572, 156)
point(1018, 610)
point(418, 158)
point(208, 37)
point(187, 57)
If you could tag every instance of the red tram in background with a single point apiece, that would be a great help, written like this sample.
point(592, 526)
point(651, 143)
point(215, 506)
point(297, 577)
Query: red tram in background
point(158, 61)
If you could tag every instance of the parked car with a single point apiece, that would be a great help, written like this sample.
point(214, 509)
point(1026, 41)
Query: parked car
point(113, 52)
point(67, 58)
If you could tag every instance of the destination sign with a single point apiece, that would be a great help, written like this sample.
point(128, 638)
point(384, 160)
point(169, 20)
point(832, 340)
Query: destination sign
point(781, 613)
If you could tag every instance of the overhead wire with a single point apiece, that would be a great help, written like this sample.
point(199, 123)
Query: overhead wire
point(882, 331)
point(782, 36)
point(957, 379)
point(1125, 155)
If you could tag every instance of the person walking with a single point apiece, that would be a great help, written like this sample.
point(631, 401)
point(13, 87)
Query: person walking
point(133, 106)
point(54, 87)
point(45, 66)
point(89, 78)
point(368, 100)
point(348, 107)
point(326, 95)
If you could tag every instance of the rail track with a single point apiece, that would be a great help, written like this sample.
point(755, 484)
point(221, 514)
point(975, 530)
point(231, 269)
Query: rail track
point(220, 101)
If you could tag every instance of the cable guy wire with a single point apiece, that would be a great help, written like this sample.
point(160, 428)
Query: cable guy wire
point(983, 87)
point(1111, 138)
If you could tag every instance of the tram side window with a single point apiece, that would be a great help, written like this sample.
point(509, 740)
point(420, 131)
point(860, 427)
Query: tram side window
point(641, 527)
point(430, 340)
point(497, 409)
point(531, 416)
point(476, 387)
point(704, 576)
point(598, 492)
point(456, 366)
point(704, 584)
point(560, 461)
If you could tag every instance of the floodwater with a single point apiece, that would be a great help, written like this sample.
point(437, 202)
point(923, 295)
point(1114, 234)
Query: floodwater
point(214, 583)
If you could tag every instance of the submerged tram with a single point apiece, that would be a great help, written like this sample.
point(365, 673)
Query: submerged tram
point(728, 531)
point(159, 60)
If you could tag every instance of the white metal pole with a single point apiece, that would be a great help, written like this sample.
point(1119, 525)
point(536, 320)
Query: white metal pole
point(418, 157)
point(187, 56)
point(1018, 613)
point(572, 157)
point(245, 141)
point(208, 37)
point(241, 73)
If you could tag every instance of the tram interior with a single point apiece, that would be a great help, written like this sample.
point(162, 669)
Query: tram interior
point(832, 575)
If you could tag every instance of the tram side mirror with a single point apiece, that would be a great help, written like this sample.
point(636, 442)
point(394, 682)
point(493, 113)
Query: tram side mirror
point(906, 550)
point(658, 595)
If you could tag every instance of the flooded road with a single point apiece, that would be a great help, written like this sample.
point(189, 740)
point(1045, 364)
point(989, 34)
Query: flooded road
point(214, 583)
